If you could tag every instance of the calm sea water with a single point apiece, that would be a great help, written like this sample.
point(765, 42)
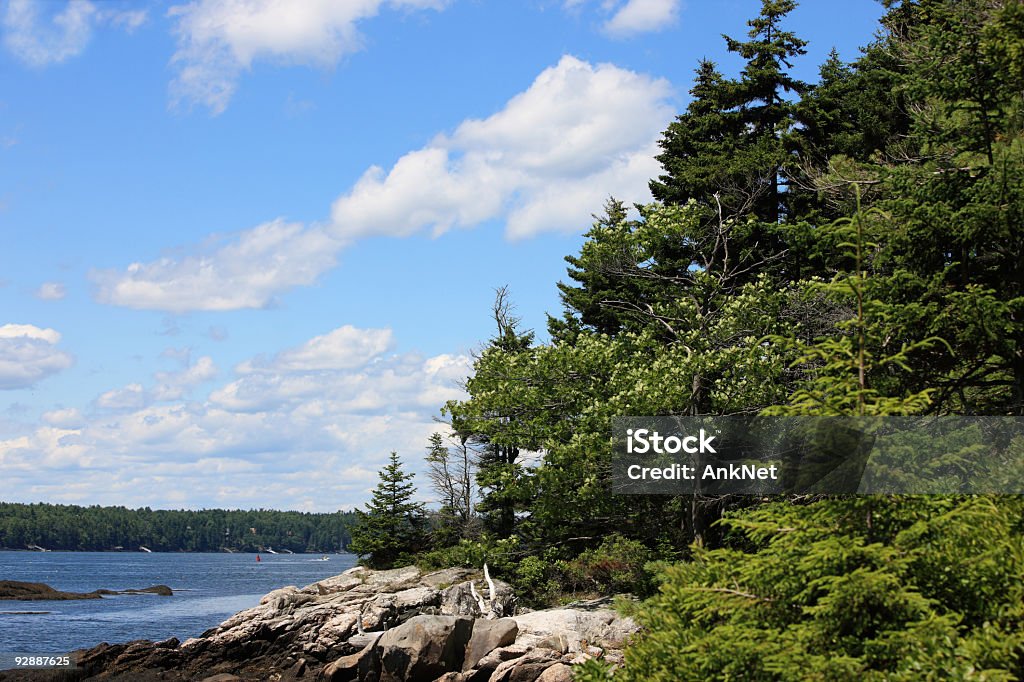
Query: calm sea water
point(208, 588)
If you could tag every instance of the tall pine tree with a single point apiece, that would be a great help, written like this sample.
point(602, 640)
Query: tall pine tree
point(729, 150)
point(393, 526)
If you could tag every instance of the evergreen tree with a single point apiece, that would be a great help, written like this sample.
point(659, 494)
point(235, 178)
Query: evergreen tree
point(954, 188)
point(871, 588)
point(702, 149)
point(495, 426)
point(855, 110)
point(586, 305)
point(392, 527)
point(729, 151)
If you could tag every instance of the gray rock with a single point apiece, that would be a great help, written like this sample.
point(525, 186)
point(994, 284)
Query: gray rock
point(423, 648)
point(337, 626)
point(279, 597)
point(339, 583)
point(486, 665)
point(575, 628)
point(360, 665)
point(416, 598)
point(526, 668)
point(386, 581)
point(360, 640)
point(298, 669)
point(487, 636)
point(559, 672)
point(447, 577)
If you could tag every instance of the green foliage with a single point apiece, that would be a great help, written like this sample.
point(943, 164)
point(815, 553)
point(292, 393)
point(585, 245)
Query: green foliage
point(593, 670)
point(685, 341)
point(392, 528)
point(500, 554)
point(843, 367)
point(855, 247)
point(617, 565)
point(872, 588)
point(495, 425)
point(97, 529)
point(951, 264)
point(728, 151)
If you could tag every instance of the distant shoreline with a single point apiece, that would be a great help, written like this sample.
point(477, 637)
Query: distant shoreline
point(105, 529)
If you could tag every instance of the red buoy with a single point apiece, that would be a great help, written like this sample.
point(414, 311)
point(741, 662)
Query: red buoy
point(257, 557)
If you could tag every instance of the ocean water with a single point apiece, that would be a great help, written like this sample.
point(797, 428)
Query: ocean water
point(208, 588)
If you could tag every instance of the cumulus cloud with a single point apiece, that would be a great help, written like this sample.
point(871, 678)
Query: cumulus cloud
point(174, 385)
point(167, 386)
point(344, 348)
point(51, 291)
point(127, 397)
point(545, 162)
point(246, 270)
point(67, 418)
point(322, 415)
point(642, 16)
point(29, 354)
point(220, 39)
point(42, 42)
point(632, 17)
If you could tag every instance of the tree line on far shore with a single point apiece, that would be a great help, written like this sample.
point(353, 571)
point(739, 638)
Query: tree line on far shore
point(99, 529)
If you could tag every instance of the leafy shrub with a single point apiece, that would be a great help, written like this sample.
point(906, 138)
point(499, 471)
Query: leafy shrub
point(536, 581)
point(499, 555)
point(867, 589)
point(617, 565)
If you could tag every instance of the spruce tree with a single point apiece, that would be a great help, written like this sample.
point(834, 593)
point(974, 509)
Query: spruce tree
point(393, 526)
point(701, 148)
point(729, 150)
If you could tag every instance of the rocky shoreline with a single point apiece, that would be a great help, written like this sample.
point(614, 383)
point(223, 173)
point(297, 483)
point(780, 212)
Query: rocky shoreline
point(454, 625)
point(16, 590)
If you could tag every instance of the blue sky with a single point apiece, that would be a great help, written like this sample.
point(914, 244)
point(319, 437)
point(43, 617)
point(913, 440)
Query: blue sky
point(248, 246)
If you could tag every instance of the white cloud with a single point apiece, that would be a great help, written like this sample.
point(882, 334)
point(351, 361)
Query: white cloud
point(544, 162)
point(67, 418)
point(65, 35)
point(220, 39)
point(29, 354)
point(243, 271)
point(129, 20)
point(174, 385)
point(344, 348)
point(38, 45)
point(167, 386)
point(51, 291)
point(642, 16)
point(632, 17)
point(310, 419)
point(29, 331)
point(129, 397)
